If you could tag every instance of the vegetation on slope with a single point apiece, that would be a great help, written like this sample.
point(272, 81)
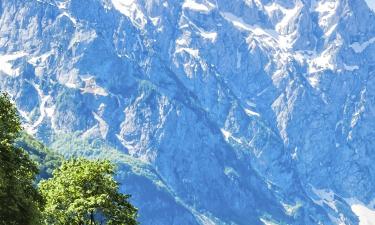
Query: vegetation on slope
point(77, 191)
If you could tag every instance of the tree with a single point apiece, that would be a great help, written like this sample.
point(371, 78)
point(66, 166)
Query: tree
point(20, 202)
point(84, 192)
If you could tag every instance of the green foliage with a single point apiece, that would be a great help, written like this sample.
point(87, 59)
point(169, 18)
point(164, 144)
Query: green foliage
point(72, 145)
point(10, 124)
point(46, 160)
point(20, 202)
point(84, 192)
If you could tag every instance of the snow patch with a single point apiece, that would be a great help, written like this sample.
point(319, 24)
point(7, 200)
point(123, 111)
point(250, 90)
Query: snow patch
point(325, 197)
point(84, 36)
point(251, 113)
point(130, 9)
point(207, 35)
point(240, 24)
point(185, 39)
point(50, 111)
point(358, 48)
point(267, 222)
point(289, 16)
point(271, 8)
point(365, 213)
point(267, 37)
point(321, 62)
point(39, 60)
point(366, 216)
point(182, 41)
point(103, 126)
point(291, 209)
point(71, 85)
point(236, 21)
point(357, 115)
point(92, 88)
point(350, 68)
point(228, 135)
point(44, 111)
point(326, 60)
point(328, 18)
point(317, 62)
point(190, 51)
point(7, 67)
point(294, 155)
point(314, 81)
point(211, 36)
point(251, 3)
point(330, 30)
point(199, 7)
point(71, 18)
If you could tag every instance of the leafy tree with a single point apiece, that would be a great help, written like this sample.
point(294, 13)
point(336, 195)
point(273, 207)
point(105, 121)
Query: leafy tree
point(84, 192)
point(20, 201)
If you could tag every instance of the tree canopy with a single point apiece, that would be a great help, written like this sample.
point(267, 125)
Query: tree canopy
point(84, 192)
point(20, 201)
point(10, 125)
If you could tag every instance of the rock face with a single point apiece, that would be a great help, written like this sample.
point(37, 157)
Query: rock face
point(217, 111)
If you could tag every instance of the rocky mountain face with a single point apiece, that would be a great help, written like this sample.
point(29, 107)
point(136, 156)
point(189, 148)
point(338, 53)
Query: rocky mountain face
point(216, 111)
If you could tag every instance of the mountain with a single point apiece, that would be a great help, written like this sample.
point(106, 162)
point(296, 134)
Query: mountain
point(216, 111)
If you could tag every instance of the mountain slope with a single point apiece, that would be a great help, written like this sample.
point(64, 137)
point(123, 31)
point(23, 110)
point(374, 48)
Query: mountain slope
point(246, 111)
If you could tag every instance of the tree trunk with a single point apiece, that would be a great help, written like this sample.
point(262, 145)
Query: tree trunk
point(92, 222)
